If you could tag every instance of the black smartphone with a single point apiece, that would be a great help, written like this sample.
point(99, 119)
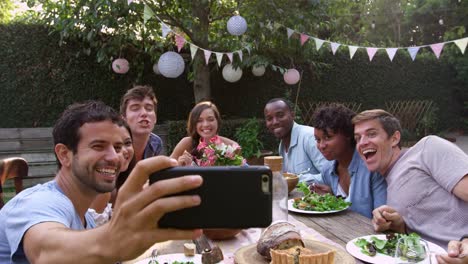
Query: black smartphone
point(231, 197)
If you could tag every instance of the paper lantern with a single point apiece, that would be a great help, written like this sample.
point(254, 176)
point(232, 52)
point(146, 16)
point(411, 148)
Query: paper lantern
point(258, 70)
point(120, 66)
point(236, 25)
point(230, 74)
point(291, 76)
point(171, 64)
point(156, 69)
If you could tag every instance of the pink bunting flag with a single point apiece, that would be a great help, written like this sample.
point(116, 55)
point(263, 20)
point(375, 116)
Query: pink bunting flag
point(290, 32)
point(461, 43)
point(371, 52)
point(304, 38)
point(391, 52)
point(207, 56)
point(240, 54)
point(437, 49)
point(180, 41)
point(334, 47)
point(129, 1)
point(229, 55)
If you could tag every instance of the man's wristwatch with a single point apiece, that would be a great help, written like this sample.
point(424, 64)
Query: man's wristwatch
point(463, 237)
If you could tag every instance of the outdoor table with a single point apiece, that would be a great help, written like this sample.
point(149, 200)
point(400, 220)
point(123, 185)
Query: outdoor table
point(336, 229)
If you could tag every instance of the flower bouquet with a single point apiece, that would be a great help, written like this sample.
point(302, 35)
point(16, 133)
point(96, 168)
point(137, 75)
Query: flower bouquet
point(215, 153)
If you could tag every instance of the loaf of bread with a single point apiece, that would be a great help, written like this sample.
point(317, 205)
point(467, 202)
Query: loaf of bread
point(280, 235)
point(301, 255)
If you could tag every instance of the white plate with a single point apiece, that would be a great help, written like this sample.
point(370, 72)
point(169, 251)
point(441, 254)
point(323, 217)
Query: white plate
point(169, 258)
point(293, 209)
point(385, 259)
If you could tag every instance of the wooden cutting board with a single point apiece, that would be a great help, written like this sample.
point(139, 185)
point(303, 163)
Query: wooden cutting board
point(249, 255)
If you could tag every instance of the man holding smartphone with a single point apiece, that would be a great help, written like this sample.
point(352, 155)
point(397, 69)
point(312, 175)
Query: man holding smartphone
point(49, 223)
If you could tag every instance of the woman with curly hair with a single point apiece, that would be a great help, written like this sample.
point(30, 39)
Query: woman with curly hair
point(347, 175)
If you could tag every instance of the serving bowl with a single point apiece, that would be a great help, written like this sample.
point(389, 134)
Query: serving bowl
point(292, 180)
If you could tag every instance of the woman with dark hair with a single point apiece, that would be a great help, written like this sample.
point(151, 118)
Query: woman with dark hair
point(202, 125)
point(347, 175)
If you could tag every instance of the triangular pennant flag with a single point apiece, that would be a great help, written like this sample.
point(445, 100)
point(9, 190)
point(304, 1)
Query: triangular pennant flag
point(229, 55)
point(304, 38)
point(219, 57)
point(207, 56)
point(352, 50)
point(437, 49)
point(318, 43)
point(193, 50)
point(129, 1)
point(371, 52)
point(413, 51)
point(147, 14)
point(165, 29)
point(391, 53)
point(334, 47)
point(461, 43)
point(180, 41)
point(240, 54)
point(290, 32)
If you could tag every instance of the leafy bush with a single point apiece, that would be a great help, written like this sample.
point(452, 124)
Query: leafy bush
point(247, 136)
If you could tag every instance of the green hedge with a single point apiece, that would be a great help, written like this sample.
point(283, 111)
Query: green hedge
point(38, 79)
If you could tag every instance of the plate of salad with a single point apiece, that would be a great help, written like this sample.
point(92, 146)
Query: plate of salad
point(380, 249)
point(312, 203)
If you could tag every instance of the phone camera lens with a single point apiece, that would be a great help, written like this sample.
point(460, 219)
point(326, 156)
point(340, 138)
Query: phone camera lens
point(265, 178)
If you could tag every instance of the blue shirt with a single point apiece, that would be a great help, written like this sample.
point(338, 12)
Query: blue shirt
point(153, 147)
point(38, 204)
point(368, 190)
point(303, 156)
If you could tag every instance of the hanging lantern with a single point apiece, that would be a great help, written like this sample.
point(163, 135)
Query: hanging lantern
point(291, 76)
point(120, 66)
point(236, 25)
point(171, 64)
point(156, 69)
point(258, 70)
point(230, 74)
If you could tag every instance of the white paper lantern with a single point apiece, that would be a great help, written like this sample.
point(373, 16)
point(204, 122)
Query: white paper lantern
point(230, 74)
point(236, 25)
point(291, 76)
point(171, 64)
point(120, 66)
point(258, 70)
point(156, 69)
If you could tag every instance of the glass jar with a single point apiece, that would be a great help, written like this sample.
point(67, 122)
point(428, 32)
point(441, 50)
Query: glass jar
point(280, 188)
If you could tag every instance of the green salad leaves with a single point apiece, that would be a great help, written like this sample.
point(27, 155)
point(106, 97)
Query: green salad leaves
point(315, 202)
point(410, 247)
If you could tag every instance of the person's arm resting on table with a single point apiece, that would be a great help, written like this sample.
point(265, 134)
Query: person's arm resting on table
point(132, 228)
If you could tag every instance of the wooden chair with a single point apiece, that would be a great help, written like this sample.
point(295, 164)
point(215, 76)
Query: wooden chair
point(12, 168)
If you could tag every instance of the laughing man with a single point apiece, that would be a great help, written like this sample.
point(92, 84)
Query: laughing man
point(427, 183)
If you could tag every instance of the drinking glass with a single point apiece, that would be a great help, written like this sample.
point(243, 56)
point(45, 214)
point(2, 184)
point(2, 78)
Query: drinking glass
point(407, 252)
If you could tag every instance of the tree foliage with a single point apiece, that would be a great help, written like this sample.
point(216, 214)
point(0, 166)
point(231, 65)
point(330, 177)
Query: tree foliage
point(115, 28)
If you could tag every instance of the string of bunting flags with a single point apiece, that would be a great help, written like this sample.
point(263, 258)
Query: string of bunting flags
point(181, 41)
point(371, 51)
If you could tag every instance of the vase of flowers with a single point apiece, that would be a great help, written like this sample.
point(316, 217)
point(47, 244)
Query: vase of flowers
point(214, 152)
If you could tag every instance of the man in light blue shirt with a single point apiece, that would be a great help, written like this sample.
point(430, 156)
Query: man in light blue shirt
point(297, 146)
